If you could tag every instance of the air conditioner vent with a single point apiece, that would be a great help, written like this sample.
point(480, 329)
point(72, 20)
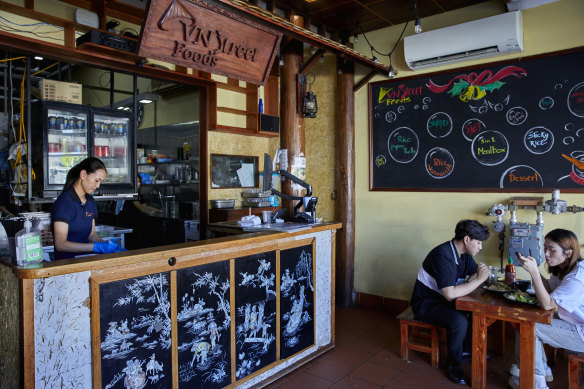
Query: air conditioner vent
point(458, 57)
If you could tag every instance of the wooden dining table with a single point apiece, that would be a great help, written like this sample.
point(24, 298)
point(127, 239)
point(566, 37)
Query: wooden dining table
point(488, 307)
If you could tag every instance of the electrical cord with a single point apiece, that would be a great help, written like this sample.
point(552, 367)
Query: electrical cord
point(7, 25)
point(389, 54)
point(11, 59)
point(42, 70)
point(134, 33)
point(38, 35)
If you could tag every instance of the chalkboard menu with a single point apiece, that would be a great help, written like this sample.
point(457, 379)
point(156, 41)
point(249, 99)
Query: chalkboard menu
point(509, 126)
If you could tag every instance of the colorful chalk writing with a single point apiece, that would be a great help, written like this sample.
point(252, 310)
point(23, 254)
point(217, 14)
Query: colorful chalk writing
point(488, 105)
point(400, 95)
point(403, 145)
point(439, 163)
point(576, 100)
point(380, 160)
point(474, 86)
point(516, 116)
point(490, 148)
point(546, 103)
point(471, 128)
point(539, 140)
point(577, 174)
point(521, 176)
point(390, 117)
point(439, 125)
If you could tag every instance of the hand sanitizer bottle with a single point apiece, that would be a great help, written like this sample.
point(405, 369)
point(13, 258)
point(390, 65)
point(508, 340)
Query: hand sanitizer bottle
point(28, 245)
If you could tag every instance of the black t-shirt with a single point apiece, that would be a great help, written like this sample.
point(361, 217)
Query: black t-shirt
point(129, 213)
point(441, 268)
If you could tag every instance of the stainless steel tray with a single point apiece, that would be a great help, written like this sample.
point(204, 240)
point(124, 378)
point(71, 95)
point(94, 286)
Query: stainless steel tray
point(255, 194)
point(257, 204)
point(222, 203)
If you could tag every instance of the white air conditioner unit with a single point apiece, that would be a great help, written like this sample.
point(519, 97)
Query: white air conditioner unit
point(477, 39)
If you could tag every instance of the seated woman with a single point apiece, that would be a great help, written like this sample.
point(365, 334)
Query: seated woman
point(563, 290)
point(136, 207)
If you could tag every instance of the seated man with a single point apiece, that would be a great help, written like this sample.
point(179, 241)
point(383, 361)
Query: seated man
point(442, 279)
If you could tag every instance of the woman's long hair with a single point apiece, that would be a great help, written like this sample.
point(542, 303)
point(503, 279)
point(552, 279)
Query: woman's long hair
point(90, 165)
point(567, 240)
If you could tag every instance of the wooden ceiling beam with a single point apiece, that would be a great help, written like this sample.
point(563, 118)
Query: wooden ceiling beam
point(128, 63)
point(308, 64)
point(260, 15)
point(364, 81)
point(110, 8)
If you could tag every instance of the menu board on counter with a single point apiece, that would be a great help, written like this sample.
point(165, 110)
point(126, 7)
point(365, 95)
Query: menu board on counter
point(509, 126)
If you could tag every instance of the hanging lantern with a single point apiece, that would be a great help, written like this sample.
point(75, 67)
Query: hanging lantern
point(309, 105)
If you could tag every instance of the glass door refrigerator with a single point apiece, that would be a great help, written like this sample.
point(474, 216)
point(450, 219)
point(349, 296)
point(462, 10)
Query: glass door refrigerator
point(64, 134)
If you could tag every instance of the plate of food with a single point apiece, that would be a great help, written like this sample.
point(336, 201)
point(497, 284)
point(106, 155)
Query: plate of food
point(521, 297)
point(498, 287)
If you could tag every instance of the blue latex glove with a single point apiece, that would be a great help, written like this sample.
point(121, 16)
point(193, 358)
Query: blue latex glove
point(107, 247)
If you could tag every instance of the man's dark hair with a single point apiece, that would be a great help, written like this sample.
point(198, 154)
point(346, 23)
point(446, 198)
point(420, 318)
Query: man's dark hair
point(472, 229)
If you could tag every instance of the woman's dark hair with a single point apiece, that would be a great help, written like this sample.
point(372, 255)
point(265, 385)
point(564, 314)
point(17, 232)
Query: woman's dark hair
point(471, 228)
point(90, 165)
point(567, 240)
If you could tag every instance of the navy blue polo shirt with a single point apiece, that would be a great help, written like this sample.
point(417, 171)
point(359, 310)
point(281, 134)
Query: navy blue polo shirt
point(443, 267)
point(69, 209)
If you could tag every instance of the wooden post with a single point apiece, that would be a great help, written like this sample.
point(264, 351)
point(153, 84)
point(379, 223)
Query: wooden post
point(292, 123)
point(345, 183)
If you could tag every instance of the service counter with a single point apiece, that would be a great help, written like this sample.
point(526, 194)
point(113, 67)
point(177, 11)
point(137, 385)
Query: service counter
point(238, 311)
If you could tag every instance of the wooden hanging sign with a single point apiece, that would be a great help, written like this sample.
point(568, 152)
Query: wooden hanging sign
point(202, 36)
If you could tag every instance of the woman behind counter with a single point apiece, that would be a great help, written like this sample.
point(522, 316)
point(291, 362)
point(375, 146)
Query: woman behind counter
point(74, 212)
point(563, 290)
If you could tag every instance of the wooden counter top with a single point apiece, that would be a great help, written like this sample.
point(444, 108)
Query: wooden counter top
point(158, 257)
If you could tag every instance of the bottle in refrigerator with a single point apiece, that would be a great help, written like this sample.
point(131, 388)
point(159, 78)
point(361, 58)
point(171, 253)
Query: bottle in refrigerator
point(187, 149)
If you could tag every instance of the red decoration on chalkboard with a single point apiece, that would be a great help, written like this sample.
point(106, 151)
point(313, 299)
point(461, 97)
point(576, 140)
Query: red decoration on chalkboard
point(485, 80)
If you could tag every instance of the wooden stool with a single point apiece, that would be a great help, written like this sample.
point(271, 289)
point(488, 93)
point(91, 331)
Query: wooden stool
point(574, 366)
point(406, 320)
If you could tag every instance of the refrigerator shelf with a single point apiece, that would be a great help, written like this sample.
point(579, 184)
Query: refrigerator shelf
point(60, 154)
point(110, 136)
point(77, 132)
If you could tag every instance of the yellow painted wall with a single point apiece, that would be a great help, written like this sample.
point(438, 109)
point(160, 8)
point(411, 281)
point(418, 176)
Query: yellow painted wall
point(320, 137)
point(234, 144)
point(395, 230)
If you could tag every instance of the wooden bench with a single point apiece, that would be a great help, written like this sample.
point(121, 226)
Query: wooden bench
point(410, 340)
point(574, 366)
